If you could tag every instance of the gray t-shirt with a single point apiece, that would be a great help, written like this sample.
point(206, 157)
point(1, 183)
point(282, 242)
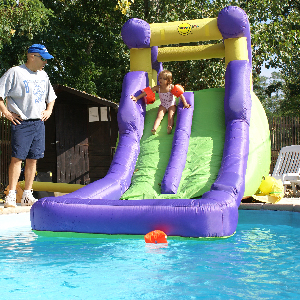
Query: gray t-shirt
point(26, 92)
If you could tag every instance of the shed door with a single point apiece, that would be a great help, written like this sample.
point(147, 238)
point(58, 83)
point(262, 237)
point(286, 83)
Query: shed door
point(101, 140)
point(72, 143)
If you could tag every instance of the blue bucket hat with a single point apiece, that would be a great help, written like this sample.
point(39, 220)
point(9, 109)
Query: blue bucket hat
point(41, 49)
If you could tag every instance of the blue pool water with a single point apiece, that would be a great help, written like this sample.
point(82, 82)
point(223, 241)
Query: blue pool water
point(261, 261)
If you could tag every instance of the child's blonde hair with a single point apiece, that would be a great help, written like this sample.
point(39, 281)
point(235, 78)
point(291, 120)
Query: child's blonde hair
point(168, 76)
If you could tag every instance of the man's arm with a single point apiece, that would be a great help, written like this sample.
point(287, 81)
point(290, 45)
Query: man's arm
point(14, 118)
point(48, 111)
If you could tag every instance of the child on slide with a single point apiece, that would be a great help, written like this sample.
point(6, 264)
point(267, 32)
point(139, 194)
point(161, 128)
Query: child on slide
point(166, 91)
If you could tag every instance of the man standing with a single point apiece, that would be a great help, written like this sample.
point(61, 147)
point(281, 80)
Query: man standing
point(30, 99)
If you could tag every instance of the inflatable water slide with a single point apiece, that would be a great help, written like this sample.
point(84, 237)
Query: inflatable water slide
point(189, 183)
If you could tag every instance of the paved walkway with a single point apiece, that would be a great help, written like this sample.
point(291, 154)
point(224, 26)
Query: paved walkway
point(12, 210)
point(287, 204)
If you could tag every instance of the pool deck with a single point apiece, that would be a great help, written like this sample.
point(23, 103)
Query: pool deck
point(285, 204)
point(11, 210)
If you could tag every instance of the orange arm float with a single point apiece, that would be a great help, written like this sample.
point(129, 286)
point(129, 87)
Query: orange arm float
point(177, 90)
point(150, 97)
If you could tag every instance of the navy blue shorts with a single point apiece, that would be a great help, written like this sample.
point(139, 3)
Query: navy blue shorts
point(28, 139)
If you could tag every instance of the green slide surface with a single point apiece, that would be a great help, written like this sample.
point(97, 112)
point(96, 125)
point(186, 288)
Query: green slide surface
point(205, 150)
point(204, 154)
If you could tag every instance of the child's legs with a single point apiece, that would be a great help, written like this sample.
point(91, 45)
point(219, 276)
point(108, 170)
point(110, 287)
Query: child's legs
point(171, 114)
point(160, 114)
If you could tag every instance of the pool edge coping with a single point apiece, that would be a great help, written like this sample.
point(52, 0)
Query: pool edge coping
point(270, 206)
point(14, 210)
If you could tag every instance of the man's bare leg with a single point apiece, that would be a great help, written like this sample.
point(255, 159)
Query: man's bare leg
point(14, 172)
point(30, 170)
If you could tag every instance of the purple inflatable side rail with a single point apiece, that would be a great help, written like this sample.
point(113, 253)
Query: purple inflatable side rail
point(180, 145)
point(96, 208)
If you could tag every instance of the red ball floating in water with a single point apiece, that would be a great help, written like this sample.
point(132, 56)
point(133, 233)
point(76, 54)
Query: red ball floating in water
point(155, 237)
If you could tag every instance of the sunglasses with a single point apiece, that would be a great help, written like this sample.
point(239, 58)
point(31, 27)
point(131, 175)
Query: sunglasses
point(42, 59)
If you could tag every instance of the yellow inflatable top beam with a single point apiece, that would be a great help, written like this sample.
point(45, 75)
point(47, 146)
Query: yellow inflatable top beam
point(184, 32)
point(191, 52)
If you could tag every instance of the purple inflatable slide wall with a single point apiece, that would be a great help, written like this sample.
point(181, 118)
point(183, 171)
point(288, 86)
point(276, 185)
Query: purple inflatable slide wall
point(96, 208)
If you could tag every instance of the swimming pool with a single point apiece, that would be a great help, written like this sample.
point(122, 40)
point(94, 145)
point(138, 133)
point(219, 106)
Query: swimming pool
point(261, 261)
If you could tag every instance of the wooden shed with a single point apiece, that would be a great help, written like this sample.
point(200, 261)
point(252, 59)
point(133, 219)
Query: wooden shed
point(81, 137)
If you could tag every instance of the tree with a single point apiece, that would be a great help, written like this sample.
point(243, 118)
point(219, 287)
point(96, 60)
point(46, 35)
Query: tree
point(270, 92)
point(291, 89)
point(20, 21)
point(90, 55)
point(85, 40)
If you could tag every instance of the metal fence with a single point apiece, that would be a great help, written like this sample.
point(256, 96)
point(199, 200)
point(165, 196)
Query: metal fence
point(284, 131)
point(5, 151)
